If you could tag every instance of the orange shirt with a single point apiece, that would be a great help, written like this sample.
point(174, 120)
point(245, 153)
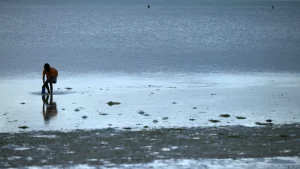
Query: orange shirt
point(52, 73)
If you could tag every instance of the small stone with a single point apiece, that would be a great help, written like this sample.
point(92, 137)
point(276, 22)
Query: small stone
point(111, 103)
point(23, 127)
point(141, 112)
point(240, 117)
point(194, 107)
point(77, 110)
point(127, 128)
point(22, 103)
point(174, 103)
point(146, 114)
point(68, 88)
point(155, 121)
point(165, 118)
point(269, 120)
point(225, 115)
point(214, 121)
point(192, 119)
point(146, 127)
point(264, 124)
point(84, 117)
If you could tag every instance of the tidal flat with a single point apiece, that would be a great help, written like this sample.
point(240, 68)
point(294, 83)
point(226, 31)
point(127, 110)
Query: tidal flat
point(111, 147)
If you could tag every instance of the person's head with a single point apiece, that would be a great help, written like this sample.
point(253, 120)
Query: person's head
point(47, 67)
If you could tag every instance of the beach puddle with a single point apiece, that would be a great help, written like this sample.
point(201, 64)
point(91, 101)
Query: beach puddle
point(54, 93)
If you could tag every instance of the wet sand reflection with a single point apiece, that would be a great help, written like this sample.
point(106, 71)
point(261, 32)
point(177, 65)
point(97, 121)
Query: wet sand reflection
point(51, 108)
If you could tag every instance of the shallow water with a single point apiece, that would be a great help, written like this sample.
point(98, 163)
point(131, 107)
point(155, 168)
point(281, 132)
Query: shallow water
point(172, 36)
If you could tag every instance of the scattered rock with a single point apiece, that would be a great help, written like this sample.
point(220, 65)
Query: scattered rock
point(141, 112)
point(240, 117)
point(146, 114)
point(127, 128)
point(194, 107)
point(63, 109)
point(110, 103)
point(23, 127)
point(84, 117)
point(68, 88)
point(225, 115)
point(155, 121)
point(214, 121)
point(213, 94)
point(152, 93)
point(77, 110)
point(264, 124)
point(192, 119)
point(165, 118)
point(22, 103)
point(284, 135)
point(174, 103)
point(103, 114)
point(269, 120)
point(145, 127)
point(110, 124)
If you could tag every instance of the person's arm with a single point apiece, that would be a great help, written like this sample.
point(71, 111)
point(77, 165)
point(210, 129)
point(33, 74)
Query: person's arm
point(43, 78)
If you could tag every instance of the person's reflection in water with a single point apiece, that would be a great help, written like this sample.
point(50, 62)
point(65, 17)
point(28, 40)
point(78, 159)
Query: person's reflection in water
point(51, 108)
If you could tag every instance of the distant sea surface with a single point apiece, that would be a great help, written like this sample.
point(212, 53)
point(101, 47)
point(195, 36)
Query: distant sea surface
point(173, 36)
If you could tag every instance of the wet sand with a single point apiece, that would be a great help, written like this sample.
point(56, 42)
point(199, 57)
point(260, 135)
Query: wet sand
point(153, 100)
point(159, 117)
point(110, 147)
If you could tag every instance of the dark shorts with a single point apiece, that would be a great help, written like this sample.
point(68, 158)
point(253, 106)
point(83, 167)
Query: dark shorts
point(52, 79)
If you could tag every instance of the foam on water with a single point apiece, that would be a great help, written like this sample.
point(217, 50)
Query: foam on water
point(246, 163)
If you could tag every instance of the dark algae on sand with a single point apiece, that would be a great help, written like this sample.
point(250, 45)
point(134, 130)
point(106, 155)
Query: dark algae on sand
point(132, 147)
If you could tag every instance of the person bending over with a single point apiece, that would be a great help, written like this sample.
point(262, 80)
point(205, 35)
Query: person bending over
point(51, 74)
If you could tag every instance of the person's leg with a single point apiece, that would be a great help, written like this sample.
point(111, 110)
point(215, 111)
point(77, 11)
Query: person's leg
point(53, 80)
point(51, 87)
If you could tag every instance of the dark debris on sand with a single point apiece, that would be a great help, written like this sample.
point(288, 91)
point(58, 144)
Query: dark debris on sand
point(214, 121)
point(225, 115)
point(240, 117)
point(111, 103)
